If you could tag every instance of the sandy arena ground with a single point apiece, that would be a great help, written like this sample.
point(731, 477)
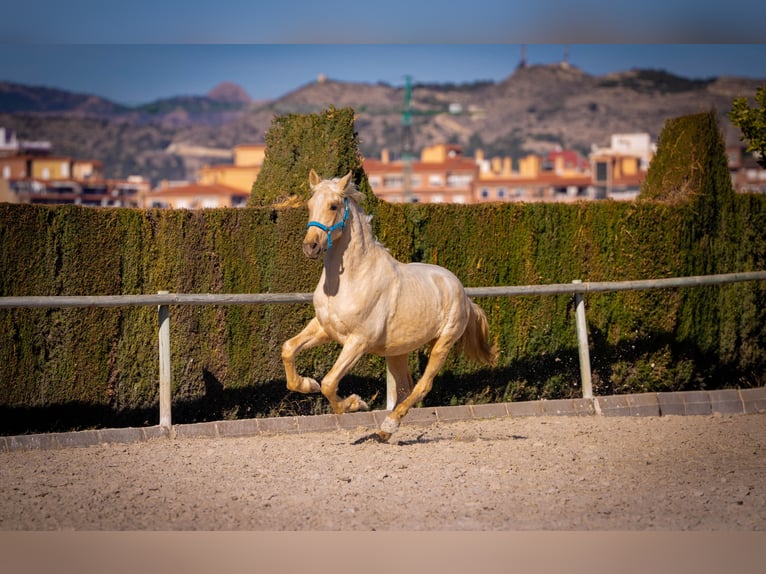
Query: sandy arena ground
point(541, 473)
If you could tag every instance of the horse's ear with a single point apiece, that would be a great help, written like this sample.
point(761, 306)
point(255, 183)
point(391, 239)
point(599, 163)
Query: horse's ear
point(343, 183)
point(313, 178)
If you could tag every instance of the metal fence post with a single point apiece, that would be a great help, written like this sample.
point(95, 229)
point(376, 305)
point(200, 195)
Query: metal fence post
point(582, 344)
point(163, 313)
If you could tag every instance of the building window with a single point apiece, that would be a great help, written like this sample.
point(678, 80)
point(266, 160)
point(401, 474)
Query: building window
point(46, 173)
point(501, 192)
point(64, 169)
point(6, 172)
point(602, 170)
point(375, 180)
point(484, 193)
point(435, 180)
point(393, 181)
point(458, 180)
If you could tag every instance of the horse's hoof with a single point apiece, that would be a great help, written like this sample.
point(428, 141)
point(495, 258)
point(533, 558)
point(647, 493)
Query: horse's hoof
point(389, 426)
point(382, 436)
point(309, 385)
point(356, 404)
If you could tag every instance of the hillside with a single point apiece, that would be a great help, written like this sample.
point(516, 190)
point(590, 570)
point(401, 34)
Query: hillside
point(532, 110)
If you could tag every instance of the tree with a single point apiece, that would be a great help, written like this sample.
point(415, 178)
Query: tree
point(752, 122)
point(690, 164)
point(297, 143)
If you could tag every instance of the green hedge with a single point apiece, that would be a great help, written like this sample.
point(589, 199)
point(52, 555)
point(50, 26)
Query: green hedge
point(77, 368)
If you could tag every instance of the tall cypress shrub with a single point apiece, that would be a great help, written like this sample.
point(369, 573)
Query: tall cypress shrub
point(691, 171)
point(297, 143)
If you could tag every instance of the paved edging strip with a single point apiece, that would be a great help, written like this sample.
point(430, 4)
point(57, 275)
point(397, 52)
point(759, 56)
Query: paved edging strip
point(685, 403)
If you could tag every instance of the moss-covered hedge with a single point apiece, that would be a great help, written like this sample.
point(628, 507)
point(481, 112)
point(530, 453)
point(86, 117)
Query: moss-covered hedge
point(75, 368)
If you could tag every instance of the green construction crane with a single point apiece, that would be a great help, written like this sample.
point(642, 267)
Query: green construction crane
point(408, 139)
point(408, 159)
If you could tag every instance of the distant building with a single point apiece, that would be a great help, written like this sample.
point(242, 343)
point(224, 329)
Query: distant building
point(195, 196)
point(248, 161)
point(52, 180)
point(747, 175)
point(562, 175)
point(442, 175)
point(220, 185)
point(11, 145)
point(620, 169)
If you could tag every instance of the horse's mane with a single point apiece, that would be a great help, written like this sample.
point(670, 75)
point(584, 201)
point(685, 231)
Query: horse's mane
point(353, 193)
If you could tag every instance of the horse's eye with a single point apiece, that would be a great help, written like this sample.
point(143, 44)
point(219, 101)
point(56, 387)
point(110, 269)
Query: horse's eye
point(333, 207)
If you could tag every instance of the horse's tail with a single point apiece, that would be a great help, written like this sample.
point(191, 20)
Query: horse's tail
point(475, 341)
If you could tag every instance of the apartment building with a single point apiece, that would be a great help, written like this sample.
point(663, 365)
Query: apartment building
point(248, 161)
point(444, 175)
point(747, 175)
point(619, 169)
point(195, 196)
point(441, 175)
point(11, 145)
point(561, 175)
point(219, 185)
point(54, 180)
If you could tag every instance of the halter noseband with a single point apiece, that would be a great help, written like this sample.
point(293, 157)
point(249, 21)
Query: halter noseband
point(340, 225)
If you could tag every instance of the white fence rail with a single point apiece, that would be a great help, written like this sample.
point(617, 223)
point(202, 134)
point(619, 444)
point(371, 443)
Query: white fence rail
point(164, 299)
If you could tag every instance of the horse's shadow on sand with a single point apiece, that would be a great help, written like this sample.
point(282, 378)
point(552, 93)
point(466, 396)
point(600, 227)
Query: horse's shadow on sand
point(423, 439)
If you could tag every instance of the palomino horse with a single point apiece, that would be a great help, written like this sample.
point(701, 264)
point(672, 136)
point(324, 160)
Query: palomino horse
point(371, 303)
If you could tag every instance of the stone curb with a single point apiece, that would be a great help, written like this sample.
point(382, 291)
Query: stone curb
point(685, 403)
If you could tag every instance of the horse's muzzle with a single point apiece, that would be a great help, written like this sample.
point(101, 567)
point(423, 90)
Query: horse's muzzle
point(312, 249)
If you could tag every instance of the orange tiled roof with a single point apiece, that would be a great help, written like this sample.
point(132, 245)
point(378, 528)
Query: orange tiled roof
point(571, 158)
point(228, 167)
point(196, 189)
point(545, 178)
point(376, 165)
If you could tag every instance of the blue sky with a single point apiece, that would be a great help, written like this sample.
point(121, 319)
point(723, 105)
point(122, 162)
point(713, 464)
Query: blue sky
point(381, 21)
point(139, 51)
point(139, 73)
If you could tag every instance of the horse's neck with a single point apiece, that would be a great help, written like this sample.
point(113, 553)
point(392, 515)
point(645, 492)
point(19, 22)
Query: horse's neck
point(357, 248)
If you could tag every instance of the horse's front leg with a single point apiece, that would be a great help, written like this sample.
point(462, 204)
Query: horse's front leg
point(311, 336)
point(352, 351)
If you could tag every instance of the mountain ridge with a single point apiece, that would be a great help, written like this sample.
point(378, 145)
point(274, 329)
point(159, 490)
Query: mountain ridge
point(532, 110)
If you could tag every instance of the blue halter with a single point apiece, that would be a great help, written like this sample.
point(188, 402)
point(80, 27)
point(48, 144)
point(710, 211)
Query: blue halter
point(340, 225)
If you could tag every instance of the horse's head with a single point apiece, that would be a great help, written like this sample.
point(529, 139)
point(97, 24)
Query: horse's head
point(328, 213)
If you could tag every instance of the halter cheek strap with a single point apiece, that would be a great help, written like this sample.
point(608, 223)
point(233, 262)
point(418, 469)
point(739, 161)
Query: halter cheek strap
point(328, 230)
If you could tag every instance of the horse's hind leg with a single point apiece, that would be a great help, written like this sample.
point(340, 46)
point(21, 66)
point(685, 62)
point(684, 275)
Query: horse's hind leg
point(311, 336)
point(399, 369)
point(439, 354)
